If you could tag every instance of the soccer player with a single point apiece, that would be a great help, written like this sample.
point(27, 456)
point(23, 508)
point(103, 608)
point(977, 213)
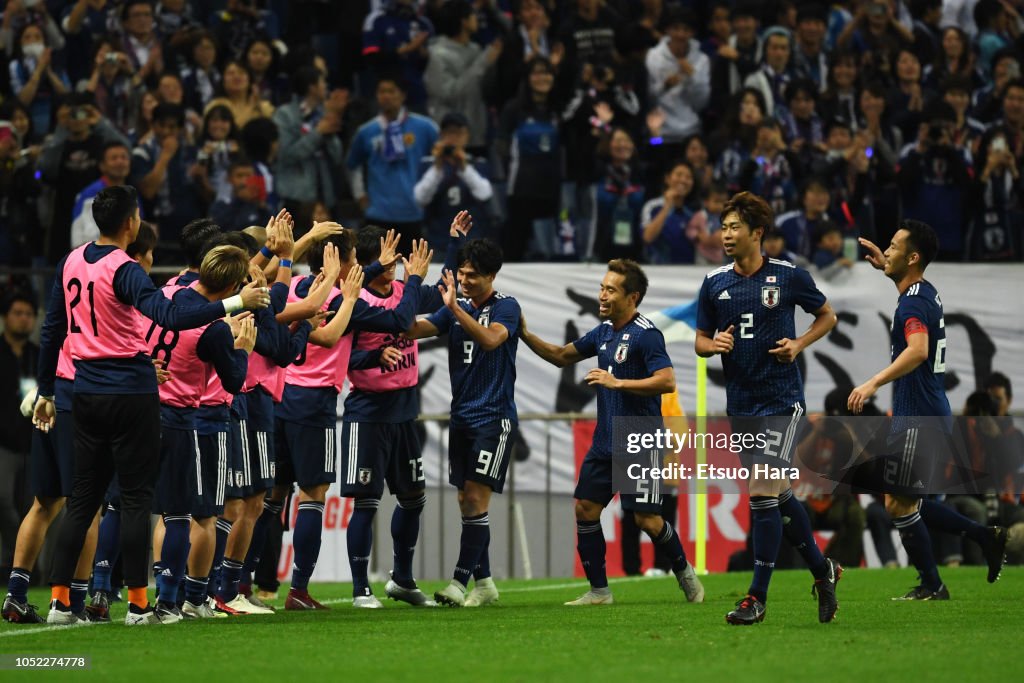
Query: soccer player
point(306, 431)
point(189, 357)
point(115, 406)
point(918, 354)
point(482, 342)
point(745, 313)
point(381, 442)
point(633, 372)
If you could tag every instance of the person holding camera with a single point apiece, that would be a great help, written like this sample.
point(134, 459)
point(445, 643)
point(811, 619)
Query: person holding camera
point(995, 231)
point(117, 97)
point(452, 181)
point(934, 177)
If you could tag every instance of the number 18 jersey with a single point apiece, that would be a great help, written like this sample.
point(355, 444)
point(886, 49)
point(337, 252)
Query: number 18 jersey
point(761, 309)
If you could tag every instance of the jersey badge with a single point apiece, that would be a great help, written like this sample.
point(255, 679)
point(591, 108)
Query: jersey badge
point(770, 297)
point(365, 474)
point(771, 279)
point(408, 139)
point(620, 353)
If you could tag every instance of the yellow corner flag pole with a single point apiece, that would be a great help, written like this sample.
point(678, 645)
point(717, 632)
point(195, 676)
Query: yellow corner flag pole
point(701, 565)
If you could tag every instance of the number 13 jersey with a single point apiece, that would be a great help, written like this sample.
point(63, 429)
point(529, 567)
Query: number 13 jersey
point(761, 309)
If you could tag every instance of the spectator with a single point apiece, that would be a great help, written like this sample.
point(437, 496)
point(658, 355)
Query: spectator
point(239, 24)
point(17, 15)
point(809, 58)
point(19, 213)
point(967, 132)
point(175, 21)
point(886, 139)
point(998, 217)
point(679, 80)
point(70, 161)
point(19, 358)
point(528, 146)
point(934, 179)
point(994, 25)
point(451, 180)
point(719, 28)
point(245, 207)
point(799, 227)
point(620, 198)
point(114, 167)
point(117, 97)
point(261, 58)
point(875, 35)
point(395, 40)
point(84, 23)
point(844, 166)
point(907, 97)
point(385, 160)
point(28, 137)
point(954, 58)
point(706, 225)
point(310, 154)
point(239, 95)
point(840, 99)
point(529, 39)
point(665, 219)
point(774, 73)
point(34, 80)
point(260, 145)
point(144, 118)
point(163, 170)
point(927, 34)
point(738, 136)
point(771, 169)
point(457, 68)
point(775, 247)
point(695, 152)
point(586, 36)
point(200, 77)
point(987, 101)
point(218, 144)
point(802, 128)
point(738, 58)
point(141, 43)
point(828, 252)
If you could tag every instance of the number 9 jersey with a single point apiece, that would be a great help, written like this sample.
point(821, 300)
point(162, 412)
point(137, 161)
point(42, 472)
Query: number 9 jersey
point(761, 309)
point(920, 392)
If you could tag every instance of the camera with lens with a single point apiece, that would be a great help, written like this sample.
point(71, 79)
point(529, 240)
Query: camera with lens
point(448, 151)
point(111, 57)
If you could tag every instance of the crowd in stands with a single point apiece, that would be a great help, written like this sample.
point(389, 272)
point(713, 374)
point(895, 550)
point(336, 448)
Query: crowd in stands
point(571, 129)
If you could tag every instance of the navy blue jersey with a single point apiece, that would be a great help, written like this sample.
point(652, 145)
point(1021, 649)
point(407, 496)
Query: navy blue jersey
point(920, 392)
point(635, 351)
point(483, 382)
point(761, 307)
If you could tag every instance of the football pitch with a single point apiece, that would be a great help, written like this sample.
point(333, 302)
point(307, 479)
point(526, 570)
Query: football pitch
point(650, 634)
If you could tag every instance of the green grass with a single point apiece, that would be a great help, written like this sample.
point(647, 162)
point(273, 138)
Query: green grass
point(651, 632)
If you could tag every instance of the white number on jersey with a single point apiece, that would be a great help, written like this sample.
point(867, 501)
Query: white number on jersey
point(467, 352)
point(940, 356)
point(747, 326)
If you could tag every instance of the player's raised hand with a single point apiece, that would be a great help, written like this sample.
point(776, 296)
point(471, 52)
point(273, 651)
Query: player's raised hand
point(284, 242)
point(461, 224)
point(255, 297)
point(449, 292)
point(325, 229)
point(161, 372)
point(44, 416)
point(389, 248)
point(418, 262)
point(332, 263)
point(235, 321)
point(257, 276)
point(246, 337)
point(389, 357)
point(874, 256)
point(601, 378)
point(786, 350)
point(723, 340)
point(353, 283)
point(860, 396)
point(319, 317)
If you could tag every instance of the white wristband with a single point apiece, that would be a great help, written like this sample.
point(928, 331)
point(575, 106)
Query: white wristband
point(233, 304)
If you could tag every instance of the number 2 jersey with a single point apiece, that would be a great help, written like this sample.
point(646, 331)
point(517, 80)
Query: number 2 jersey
point(761, 309)
point(922, 391)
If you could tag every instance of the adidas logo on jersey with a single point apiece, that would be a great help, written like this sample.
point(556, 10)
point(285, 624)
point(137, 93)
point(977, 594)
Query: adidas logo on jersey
point(724, 296)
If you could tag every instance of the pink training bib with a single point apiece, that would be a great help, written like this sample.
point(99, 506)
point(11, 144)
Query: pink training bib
point(318, 367)
point(406, 374)
point(100, 326)
point(65, 366)
point(177, 349)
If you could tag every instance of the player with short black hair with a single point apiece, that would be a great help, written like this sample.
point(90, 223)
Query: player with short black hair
point(917, 447)
point(115, 407)
point(482, 329)
point(638, 372)
point(756, 297)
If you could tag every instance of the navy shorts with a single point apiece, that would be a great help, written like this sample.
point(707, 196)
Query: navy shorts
point(915, 461)
point(208, 478)
point(781, 434)
point(312, 452)
point(52, 462)
point(375, 452)
point(480, 454)
point(284, 471)
point(595, 484)
point(175, 487)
